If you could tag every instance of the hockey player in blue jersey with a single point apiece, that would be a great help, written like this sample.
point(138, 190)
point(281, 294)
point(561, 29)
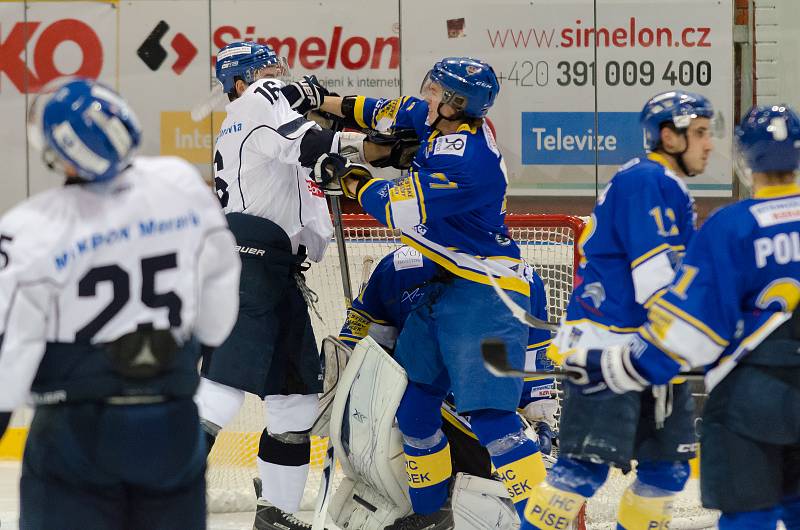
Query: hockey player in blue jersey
point(451, 209)
point(109, 285)
point(397, 286)
point(642, 222)
point(731, 309)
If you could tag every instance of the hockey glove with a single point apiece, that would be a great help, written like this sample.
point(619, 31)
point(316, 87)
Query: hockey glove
point(305, 95)
point(546, 437)
point(332, 172)
point(404, 144)
point(596, 371)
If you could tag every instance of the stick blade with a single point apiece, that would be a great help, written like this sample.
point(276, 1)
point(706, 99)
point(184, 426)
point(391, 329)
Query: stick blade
point(495, 356)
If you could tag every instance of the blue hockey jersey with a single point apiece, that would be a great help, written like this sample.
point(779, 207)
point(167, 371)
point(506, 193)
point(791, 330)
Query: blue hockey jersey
point(397, 286)
point(638, 230)
point(739, 281)
point(451, 207)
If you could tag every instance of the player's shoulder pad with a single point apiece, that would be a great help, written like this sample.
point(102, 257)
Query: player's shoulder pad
point(641, 173)
point(734, 221)
point(31, 229)
point(263, 102)
point(172, 175)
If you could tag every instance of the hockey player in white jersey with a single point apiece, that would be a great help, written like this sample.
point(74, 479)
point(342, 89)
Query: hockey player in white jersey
point(109, 287)
point(280, 218)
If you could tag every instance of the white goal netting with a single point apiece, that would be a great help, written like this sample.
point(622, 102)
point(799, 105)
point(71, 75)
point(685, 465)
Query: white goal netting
point(547, 242)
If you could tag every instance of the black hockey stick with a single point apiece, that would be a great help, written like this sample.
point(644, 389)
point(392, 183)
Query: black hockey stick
point(519, 312)
point(495, 358)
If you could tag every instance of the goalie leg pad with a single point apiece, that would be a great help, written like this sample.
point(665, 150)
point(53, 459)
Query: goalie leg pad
point(480, 503)
point(367, 444)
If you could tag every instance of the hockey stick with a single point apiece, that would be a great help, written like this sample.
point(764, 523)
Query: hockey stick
point(338, 230)
point(214, 99)
point(495, 358)
point(519, 312)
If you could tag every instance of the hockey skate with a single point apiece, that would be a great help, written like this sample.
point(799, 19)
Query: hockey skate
point(441, 520)
point(269, 517)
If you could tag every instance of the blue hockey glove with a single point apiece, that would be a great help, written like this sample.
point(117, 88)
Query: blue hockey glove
point(546, 437)
point(597, 371)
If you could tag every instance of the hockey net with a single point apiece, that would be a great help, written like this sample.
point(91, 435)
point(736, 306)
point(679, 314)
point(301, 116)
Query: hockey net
point(547, 242)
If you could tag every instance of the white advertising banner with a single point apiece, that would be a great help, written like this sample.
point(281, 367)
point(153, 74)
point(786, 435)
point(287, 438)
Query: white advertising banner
point(164, 72)
point(561, 96)
point(41, 42)
point(65, 39)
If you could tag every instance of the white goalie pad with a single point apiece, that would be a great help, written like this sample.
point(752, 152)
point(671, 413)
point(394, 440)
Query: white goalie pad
point(336, 354)
point(480, 503)
point(367, 442)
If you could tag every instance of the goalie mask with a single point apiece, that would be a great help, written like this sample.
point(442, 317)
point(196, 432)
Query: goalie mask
point(83, 127)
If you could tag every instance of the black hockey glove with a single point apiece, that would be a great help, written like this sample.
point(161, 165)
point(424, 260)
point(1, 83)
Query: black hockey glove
point(305, 95)
point(404, 145)
point(332, 171)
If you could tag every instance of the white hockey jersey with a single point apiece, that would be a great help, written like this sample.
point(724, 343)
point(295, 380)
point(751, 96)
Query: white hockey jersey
point(257, 172)
point(90, 263)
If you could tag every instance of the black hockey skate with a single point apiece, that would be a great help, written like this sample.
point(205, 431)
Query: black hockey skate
point(441, 520)
point(269, 517)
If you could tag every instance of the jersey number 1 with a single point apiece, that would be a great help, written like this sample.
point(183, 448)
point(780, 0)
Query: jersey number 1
point(120, 283)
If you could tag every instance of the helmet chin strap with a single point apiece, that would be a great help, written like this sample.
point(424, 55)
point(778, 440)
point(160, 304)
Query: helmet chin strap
point(679, 157)
point(459, 115)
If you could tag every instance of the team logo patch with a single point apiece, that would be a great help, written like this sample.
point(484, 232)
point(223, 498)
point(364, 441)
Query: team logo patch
point(402, 190)
point(472, 70)
point(451, 144)
point(407, 258)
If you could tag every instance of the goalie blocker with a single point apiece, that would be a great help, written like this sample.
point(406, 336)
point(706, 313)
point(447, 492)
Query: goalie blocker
point(369, 447)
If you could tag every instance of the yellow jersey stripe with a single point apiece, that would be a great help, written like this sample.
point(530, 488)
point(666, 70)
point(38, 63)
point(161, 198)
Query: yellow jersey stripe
point(689, 319)
point(653, 252)
point(507, 283)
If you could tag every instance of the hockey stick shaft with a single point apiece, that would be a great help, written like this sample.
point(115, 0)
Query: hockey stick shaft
point(338, 231)
point(495, 358)
point(519, 312)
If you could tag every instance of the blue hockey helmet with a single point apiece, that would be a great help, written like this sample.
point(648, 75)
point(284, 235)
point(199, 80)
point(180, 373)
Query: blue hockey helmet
point(470, 85)
point(85, 124)
point(676, 107)
point(244, 60)
point(768, 139)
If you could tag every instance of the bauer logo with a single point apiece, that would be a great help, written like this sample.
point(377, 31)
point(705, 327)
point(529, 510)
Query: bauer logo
point(569, 138)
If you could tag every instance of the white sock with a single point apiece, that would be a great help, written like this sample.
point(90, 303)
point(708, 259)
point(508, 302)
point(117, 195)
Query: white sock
point(282, 486)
